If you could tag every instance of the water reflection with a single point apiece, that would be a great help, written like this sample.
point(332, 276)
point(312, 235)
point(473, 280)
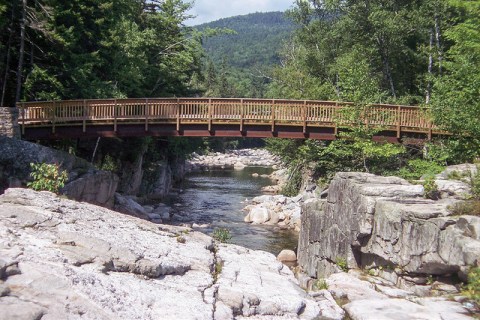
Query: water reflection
point(215, 198)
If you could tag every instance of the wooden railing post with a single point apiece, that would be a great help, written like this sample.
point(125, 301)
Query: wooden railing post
point(115, 111)
point(23, 117)
point(399, 122)
point(147, 113)
point(366, 114)
point(178, 114)
point(304, 116)
point(209, 114)
point(54, 116)
point(242, 114)
point(273, 115)
point(85, 116)
point(430, 127)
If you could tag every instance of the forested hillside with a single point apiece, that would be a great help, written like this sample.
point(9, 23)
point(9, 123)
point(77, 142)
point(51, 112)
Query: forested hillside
point(257, 40)
point(238, 59)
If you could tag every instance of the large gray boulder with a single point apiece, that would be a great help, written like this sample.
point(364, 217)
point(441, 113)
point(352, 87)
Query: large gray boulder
point(385, 223)
point(95, 187)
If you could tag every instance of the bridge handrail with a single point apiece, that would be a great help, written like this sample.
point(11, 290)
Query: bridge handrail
point(209, 110)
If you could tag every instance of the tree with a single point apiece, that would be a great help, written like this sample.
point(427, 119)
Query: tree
point(455, 104)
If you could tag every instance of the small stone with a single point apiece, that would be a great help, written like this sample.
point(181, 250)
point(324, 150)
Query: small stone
point(287, 256)
point(259, 215)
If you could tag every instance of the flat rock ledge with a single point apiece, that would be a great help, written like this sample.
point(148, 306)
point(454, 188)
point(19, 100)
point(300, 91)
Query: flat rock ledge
point(237, 159)
point(60, 259)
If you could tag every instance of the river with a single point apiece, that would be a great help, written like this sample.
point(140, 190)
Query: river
point(215, 198)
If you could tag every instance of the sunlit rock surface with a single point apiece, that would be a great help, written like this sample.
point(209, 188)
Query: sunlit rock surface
point(60, 259)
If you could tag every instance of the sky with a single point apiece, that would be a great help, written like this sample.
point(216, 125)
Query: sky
point(211, 10)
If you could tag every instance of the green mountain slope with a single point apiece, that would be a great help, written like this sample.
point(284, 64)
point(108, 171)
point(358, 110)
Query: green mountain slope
point(258, 38)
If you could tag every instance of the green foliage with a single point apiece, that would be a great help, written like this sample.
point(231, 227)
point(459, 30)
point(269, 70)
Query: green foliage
point(47, 177)
point(218, 270)
point(99, 49)
point(453, 150)
point(109, 164)
point(256, 39)
point(475, 183)
point(294, 181)
point(342, 264)
point(472, 288)
point(320, 284)
point(456, 105)
point(430, 188)
point(416, 168)
point(221, 234)
point(360, 50)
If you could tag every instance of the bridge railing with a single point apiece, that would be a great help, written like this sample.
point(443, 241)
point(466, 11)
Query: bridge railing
point(219, 110)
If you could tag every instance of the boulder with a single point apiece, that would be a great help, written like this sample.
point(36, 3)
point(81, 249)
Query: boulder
point(258, 215)
point(287, 256)
point(129, 206)
point(96, 187)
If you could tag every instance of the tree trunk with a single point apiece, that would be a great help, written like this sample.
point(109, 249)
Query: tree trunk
point(387, 73)
point(7, 62)
point(23, 23)
point(438, 38)
point(430, 70)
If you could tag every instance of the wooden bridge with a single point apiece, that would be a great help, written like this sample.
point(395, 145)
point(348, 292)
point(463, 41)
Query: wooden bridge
point(213, 117)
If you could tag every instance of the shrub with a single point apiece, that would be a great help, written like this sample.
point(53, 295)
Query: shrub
point(430, 188)
point(320, 284)
point(342, 264)
point(109, 164)
point(222, 235)
point(417, 168)
point(47, 177)
point(467, 207)
point(475, 183)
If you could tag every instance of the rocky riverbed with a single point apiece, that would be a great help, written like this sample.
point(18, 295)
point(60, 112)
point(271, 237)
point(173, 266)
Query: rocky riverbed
point(238, 159)
point(60, 259)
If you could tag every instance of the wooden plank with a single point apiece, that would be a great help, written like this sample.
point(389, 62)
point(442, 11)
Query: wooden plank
point(399, 122)
point(242, 114)
point(272, 111)
point(147, 114)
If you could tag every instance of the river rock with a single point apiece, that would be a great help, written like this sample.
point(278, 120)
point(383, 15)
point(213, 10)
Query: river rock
point(127, 205)
point(258, 216)
point(238, 159)
point(287, 256)
point(96, 187)
point(281, 210)
point(61, 259)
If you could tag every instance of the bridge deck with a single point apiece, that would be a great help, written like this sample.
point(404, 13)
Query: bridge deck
point(212, 117)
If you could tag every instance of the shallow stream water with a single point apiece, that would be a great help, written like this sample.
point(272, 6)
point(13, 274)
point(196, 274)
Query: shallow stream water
point(215, 198)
